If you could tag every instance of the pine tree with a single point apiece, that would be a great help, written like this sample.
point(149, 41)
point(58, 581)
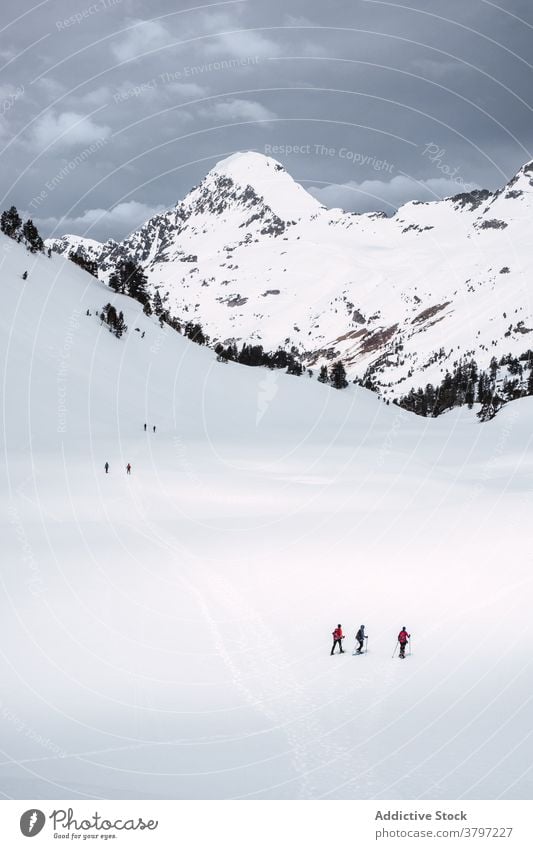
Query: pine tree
point(111, 315)
point(294, 367)
point(430, 399)
point(120, 325)
point(31, 235)
point(116, 283)
point(530, 383)
point(338, 375)
point(195, 332)
point(220, 351)
point(135, 281)
point(481, 388)
point(323, 376)
point(158, 304)
point(280, 359)
point(244, 356)
point(10, 222)
point(128, 278)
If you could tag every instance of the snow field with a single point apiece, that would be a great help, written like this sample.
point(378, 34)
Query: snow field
point(167, 634)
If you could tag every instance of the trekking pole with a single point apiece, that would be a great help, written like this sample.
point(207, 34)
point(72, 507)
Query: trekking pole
point(366, 649)
point(410, 642)
point(395, 647)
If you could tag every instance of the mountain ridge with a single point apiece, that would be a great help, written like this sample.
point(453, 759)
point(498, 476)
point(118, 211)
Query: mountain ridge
point(254, 258)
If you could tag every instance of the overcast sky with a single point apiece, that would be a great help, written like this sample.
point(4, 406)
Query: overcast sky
point(113, 109)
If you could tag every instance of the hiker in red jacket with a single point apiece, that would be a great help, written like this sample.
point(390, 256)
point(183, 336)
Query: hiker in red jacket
point(403, 639)
point(338, 637)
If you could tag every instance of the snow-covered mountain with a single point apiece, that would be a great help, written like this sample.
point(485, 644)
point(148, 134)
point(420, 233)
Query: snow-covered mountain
point(254, 258)
point(166, 634)
point(88, 249)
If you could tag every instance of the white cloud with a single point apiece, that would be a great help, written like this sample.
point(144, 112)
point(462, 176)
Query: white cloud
point(298, 21)
point(304, 36)
point(53, 88)
point(386, 195)
point(101, 224)
point(8, 53)
point(98, 96)
point(434, 69)
point(141, 38)
point(186, 90)
point(239, 110)
point(67, 129)
point(242, 44)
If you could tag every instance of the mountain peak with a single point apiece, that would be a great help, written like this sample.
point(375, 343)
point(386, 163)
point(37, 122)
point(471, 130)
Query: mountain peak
point(248, 163)
point(270, 180)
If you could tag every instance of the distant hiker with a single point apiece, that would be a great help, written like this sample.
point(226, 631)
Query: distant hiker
point(25, 275)
point(338, 637)
point(145, 427)
point(154, 428)
point(106, 467)
point(403, 639)
point(142, 334)
point(360, 637)
point(49, 252)
point(128, 469)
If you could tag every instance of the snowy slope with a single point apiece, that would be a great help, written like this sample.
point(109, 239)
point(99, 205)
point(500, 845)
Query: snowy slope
point(253, 257)
point(167, 634)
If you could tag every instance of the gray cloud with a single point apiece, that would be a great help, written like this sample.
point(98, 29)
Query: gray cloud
point(385, 195)
point(99, 223)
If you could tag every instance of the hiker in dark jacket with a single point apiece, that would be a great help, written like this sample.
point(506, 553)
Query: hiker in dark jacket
point(360, 637)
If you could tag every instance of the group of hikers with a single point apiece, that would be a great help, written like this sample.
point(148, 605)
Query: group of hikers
point(128, 466)
point(361, 636)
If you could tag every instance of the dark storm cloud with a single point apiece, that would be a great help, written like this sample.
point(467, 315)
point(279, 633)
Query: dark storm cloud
point(108, 115)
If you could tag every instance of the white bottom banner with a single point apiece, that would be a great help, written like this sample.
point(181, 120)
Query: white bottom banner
point(267, 824)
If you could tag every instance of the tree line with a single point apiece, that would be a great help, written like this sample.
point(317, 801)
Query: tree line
point(505, 380)
point(11, 225)
point(114, 320)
